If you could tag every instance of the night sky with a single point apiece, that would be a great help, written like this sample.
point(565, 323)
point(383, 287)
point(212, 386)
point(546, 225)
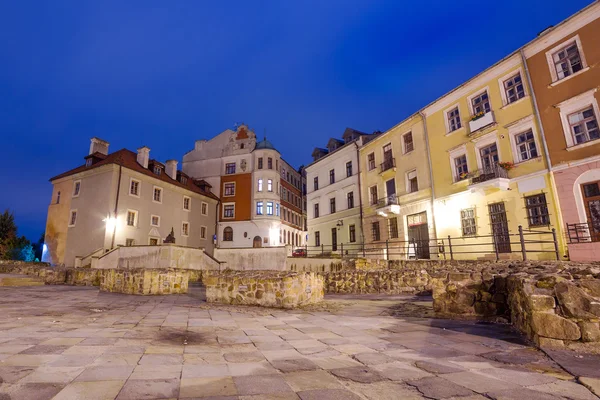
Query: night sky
point(166, 73)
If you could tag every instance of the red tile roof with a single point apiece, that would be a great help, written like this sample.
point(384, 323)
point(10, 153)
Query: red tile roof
point(128, 159)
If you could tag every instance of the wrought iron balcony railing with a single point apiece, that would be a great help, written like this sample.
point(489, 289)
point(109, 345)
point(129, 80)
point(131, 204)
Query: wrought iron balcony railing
point(387, 164)
point(487, 174)
point(583, 232)
point(390, 200)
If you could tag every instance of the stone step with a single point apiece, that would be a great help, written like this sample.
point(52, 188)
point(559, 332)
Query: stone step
point(20, 280)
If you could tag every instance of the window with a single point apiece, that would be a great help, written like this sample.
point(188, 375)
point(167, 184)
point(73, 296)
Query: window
point(202, 232)
point(317, 210)
point(229, 189)
point(183, 180)
point(134, 188)
point(259, 208)
point(157, 195)
point(537, 210)
point(58, 197)
point(230, 168)
point(228, 210)
point(129, 242)
point(187, 203)
point(153, 242)
point(316, 183)
point(373, 194)
point(371, 161)
point(513, 88)
point(88, 162)
point(526, 145)
point(481, 103)
point(155, 220)
point(76, 188)
point(269, 208)
point(375, 235)
point(412, 183)
point(332, 176)
point(185, 229)
point(157, 170)
point(584, 126)
point(408, 142)
point(277, 209)
point(228, 234)
point(269, 185)
point(317, 238)
point(73, 218)
point(350, 200)
point(461, 168)
point(393, 227)
point(270, 163)
point(332, 205)
point(387, 152)
point(567, 61)
point(131, 218)
point(204, 209)
point(352, 233)
point(349, 169)
point(453, 120)
point(260, 163)
point(467, 221)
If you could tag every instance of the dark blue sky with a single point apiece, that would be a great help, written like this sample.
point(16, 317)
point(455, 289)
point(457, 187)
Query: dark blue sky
point(166, 73)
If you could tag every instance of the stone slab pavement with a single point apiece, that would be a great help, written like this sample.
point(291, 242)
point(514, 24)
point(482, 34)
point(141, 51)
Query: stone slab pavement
point(63, 342)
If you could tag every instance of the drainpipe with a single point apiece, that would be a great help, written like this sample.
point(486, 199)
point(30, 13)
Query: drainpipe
point(360, 206)
point(536, 111)
point(112, 243)
point(430, 174)
point(217, 224)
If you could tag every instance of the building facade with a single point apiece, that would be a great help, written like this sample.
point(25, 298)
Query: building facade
point(489, 167)
point(396, 192)
point(292, 201)
point(562, 65)
point(333, 194)
point(125, 199)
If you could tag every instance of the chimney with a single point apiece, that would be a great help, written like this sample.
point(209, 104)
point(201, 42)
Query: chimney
point(98, 145)
point(171, 169)
point(143, 155)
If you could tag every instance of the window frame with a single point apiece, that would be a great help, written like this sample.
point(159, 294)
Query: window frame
point(260, 163)
point(543, 206)
point(463, 220)
point(332, 176)
point(76, 188)
point(203, 232)
point(189, 199)
point(405, 143)
point(269, 206)
point(517, 128)
point(375, 231)
point(348, 169)
point(350, 200)
point(139, 187)
point(409, 188)
point(160, 189)
point(259, 185)
point(478, 94)
point(371, 165)
point(502, 86)
point(259, 207)
point(135, 218)
point(230, 168)
point(270, 185)
point(563, 45)
point(352, 233)
point(332, 205)
point(572, 105)
point(71, 223)
point(373, 200)
point(185, 232)
point(225, 206)
point(317, 238)
point(393, 233)
point(316, 211)
point(228, 234)
point(447, 112)
point(152, 218)
point(204, 208)
point(227, 185)
point(316, 183)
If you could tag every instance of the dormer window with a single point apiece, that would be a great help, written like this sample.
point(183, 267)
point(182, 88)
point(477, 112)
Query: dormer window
point(183, 180)
point(157, 170)
point(88, 162)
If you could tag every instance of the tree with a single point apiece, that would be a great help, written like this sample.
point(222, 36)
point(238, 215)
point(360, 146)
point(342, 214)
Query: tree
point(8, 234)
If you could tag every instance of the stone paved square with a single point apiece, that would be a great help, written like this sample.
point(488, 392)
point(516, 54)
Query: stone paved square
point(55, 346)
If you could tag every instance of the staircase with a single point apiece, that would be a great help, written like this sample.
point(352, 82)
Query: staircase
point(20, 280)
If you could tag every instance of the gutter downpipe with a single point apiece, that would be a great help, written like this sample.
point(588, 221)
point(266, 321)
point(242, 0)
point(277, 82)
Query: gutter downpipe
point(360, 206)
point(544, 143)
point(112, 243)
point(430, 175)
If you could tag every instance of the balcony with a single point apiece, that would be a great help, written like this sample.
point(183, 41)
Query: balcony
point(388, 205)
point(491, 177)
point(481, 122)
point(387, 164)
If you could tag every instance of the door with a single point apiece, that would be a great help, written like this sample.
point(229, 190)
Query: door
point(390, 190)
point(489, 157)
point(499, 225)
point(591, 199)
point(333, 239)
point(418, 235)
point(257, 241)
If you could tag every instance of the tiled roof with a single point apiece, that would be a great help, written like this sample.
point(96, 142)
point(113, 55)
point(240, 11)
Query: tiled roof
point(128, 159)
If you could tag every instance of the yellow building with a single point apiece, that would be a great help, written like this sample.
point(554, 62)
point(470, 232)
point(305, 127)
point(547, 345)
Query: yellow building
point(396, 193)
point(476, 132)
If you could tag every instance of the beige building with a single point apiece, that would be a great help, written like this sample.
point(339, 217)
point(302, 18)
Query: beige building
point(124, 199)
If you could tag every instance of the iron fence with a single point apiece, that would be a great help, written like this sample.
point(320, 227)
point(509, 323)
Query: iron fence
point(583, 232)
point(523, 243)
point(487, 174)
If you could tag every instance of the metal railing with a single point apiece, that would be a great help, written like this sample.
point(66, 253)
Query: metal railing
point(583, 232)
point(522, 243)
point(390, 200)
point(387, 164)
point(487, 174)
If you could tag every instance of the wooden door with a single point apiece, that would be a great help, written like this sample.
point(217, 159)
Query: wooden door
point(499, 225)
point(257, 241)
point(591, 199)
point(418, 234)
point(333, 239)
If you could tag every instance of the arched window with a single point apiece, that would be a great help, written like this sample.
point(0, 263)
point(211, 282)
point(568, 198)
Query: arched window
point(228, 234)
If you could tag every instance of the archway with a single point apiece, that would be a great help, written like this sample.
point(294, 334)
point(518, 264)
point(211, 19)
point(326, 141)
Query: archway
point(257, 241)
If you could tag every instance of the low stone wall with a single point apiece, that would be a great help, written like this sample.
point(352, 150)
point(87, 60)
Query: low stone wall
point(414, 281)
point(309, 264)
point(255, 259)
point(264, 288)
point(144, 281)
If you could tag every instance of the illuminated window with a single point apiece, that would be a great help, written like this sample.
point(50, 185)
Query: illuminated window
point(468, 223)
point(269, 185)
point(230, 168)
point(229, 189)
point(260, 185)
point(259, 208)
point(269, 208)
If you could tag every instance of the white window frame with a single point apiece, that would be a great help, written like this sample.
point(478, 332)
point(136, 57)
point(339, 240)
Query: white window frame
point(75, 185)
point(259, 185)
point(550, 60)
point(183, 233)
point(484, 141)
point(223, 210)
point(454, 154)
point(267, 207)
point(506, 77)
point(135, 218)
point(203, 207)
point(521, 126)
point(131, 180)
point(234, 189)
point(203, 232)
point(575, 104)
point(262, 208)
point(189, 203)
point(269, 185)
point(446, 112)
point(407, 181)
point(73, 211)
point(155, 216)
point(478, 93)
point(161, 194)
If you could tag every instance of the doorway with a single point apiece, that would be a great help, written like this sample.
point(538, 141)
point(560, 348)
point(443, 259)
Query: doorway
point(499, 225)
point(591, 200)
point(418, 235)
point(333, 239)
point(390, 191)
point(257, 242)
